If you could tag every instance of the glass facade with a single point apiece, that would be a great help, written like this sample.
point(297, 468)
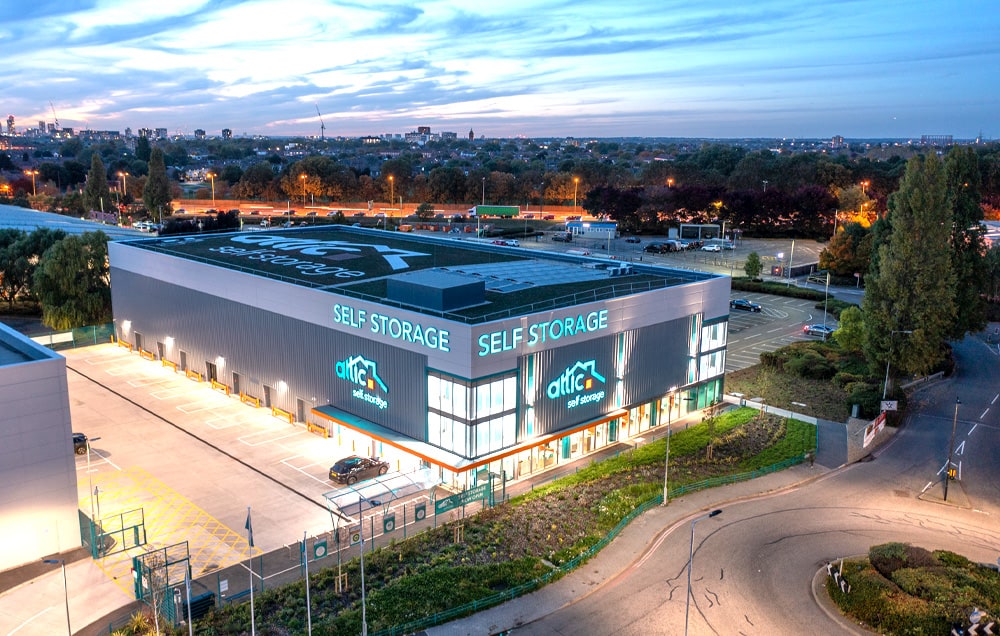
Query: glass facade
point(471, 419)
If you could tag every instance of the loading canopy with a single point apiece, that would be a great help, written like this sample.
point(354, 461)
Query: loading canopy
point(351, 501)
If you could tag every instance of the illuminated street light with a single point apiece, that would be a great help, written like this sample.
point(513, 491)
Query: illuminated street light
point(122, 175)
point(62, 562)
point(34, 192)
point(864, 186)
point(211, 176)
point(392, 189)
point(302, 178)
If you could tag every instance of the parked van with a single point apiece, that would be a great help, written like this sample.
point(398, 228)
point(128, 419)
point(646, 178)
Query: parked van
point(405, 228)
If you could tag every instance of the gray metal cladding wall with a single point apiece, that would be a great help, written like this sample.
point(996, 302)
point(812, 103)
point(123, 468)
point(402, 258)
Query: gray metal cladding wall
point(656, 358)
point(558, 390)
point(266, 348)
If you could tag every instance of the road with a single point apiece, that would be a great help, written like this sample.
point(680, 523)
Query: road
point(755, 562)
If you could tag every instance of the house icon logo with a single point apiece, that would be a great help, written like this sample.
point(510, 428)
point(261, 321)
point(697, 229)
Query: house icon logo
point(578, 382)
point(364, 373)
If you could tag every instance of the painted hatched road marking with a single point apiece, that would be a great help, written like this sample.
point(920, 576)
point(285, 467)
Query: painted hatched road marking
point(170, 518)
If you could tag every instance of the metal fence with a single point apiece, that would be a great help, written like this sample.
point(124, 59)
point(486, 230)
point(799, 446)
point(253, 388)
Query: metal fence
point(79, 337)
point(514, 592)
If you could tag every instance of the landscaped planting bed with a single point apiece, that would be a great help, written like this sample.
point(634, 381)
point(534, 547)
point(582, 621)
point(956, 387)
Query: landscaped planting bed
point(516, 543)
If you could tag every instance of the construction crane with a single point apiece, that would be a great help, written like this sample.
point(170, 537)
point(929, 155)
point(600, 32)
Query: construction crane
point(322, 126)
point(54, 116)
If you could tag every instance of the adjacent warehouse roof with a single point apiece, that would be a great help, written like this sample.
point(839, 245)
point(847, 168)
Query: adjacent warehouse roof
point(18, 218)
point(482, 282)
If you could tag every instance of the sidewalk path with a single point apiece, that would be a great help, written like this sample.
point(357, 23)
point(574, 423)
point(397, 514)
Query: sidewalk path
point(628, 547)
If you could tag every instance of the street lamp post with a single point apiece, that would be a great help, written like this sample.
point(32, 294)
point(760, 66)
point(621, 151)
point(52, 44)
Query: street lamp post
point(484, 190)
point(951, 450)
point(34, 191)
point(392, 189)
point(302, 179)
point(888, 359)
point(211, 175)
point(576, 184)
point(687, 609)
point(62, 562)
point(666, 463)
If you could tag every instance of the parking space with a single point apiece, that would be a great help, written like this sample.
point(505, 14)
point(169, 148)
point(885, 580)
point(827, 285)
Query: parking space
point(192, 459)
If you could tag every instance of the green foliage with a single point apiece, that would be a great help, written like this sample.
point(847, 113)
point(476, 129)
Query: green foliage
point(850, 333)
point(425, 210)
point(808, 363)
point(72, 282)
point(912, 283)
point(901, 589)
point(866, 395)
point(799, 438)
point(156, 193)
point(96, 194)
point(753, 266)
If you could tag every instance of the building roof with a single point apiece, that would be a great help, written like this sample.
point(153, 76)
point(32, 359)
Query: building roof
point(359, 262)
point(18, 218)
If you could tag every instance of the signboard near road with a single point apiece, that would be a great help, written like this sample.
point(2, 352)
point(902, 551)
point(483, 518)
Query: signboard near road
point(889, 405)
point(460, 499)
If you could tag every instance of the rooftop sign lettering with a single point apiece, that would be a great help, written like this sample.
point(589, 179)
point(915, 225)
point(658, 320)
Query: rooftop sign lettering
point(396, 258)
point(540, 333)
point(395, 328)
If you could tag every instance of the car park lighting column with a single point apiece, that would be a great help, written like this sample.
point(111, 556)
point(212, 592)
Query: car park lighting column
point(687, 608)
point(62, 562)
point(666, 464)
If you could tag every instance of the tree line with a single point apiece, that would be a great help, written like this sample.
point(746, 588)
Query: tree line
point(66, 276)
point(642, 186)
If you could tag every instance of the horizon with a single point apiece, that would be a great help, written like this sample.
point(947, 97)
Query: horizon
point(301, 68)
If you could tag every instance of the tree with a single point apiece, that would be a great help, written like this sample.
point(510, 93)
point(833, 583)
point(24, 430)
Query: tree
point(753, 266)
point(849, 252)
point(961, 167)
point(425, 211)
point(14, 265)
point(156, 193)
point(143, 151)
point(850, 334)
point(911, 284)
point(72, 282)
point(96, 194)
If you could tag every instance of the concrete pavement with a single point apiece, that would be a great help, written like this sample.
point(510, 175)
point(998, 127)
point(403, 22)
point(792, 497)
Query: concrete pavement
point(611, 565)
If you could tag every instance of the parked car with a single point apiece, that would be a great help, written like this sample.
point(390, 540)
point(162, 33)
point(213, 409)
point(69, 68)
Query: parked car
point(714, 247)
point(79, 443)
point(549, 217)
point(633, 239)
point(654, 248)
point(818, 330)
point(745, 305)
point(573, 218)
point(564, 237)
point(353, 469)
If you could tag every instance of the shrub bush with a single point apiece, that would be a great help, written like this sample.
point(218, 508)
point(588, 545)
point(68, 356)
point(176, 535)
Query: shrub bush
point(808, 363)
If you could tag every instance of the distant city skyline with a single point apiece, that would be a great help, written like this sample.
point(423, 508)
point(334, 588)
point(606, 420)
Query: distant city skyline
point(769, 69)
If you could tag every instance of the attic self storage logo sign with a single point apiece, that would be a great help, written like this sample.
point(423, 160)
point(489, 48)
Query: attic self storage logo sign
point(581, 383)
point(364, 373)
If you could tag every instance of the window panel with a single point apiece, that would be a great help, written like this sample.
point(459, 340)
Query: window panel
point(510, 393)
point(433, 428)
point(461, 401)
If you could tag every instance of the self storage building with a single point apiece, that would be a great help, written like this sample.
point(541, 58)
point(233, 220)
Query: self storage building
point(447, 353)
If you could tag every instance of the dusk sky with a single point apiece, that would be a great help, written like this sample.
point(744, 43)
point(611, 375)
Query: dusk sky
point(647, 68)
